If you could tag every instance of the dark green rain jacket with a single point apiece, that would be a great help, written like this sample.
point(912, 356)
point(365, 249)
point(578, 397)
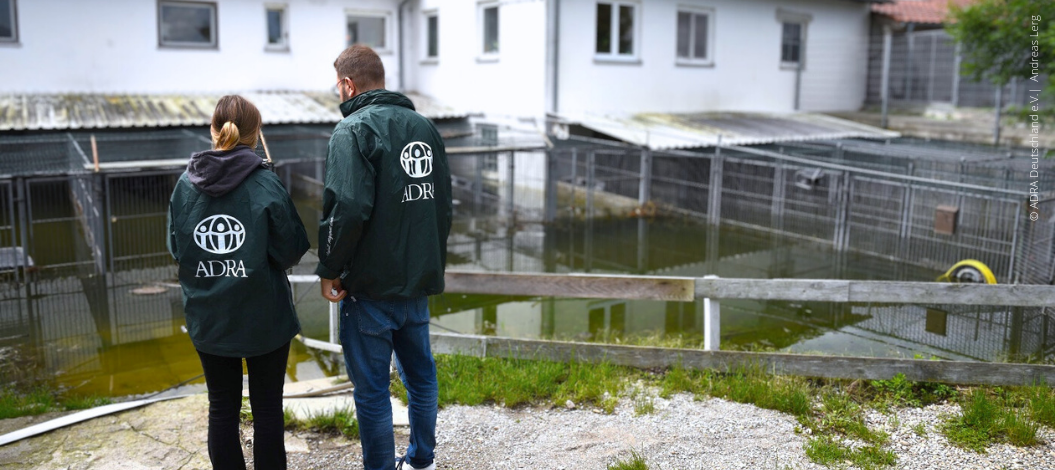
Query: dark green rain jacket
point(387, 201)
point(234, 231)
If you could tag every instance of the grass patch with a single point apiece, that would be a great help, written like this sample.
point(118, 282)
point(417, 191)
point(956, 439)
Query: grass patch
point(899, 391)
point(634, 462)
point(40, 400)
point(827, 450)
point(920, 429)
point(991, 416)
point(340, 421)
point(644, 406)
point(472, 381)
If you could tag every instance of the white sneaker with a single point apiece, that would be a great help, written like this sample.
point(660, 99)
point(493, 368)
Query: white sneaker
point(403, 460)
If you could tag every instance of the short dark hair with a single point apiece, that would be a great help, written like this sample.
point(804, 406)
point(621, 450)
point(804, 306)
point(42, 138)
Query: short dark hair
point(361, 64)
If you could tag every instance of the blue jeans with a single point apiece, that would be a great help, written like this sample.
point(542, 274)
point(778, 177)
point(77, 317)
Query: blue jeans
point(371, 330)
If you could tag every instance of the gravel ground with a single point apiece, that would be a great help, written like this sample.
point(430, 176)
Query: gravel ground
point(680, 434)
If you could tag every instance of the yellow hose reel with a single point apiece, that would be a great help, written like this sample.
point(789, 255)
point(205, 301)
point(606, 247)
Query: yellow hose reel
point(969, 271)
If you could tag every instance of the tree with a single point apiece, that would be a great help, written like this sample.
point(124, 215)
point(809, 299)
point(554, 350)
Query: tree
point(999, 39)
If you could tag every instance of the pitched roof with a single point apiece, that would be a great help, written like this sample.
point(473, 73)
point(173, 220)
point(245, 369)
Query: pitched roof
point(20, 112)
point(918, 11)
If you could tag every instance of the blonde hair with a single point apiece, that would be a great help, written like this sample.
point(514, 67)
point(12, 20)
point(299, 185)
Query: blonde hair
point(235, 122)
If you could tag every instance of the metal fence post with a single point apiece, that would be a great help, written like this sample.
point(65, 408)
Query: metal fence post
point(511, 187)
point(714, 206)
point(999, 104)
point(711, 322)
point(549, 213)
point(589, 182)
point(777, 205)
point(644, 190)
point(884, 91)
point(956, 77)
point(910, 37)
point(478, 183)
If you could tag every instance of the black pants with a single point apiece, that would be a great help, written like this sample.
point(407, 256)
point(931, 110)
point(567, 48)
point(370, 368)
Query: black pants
point(223, 376)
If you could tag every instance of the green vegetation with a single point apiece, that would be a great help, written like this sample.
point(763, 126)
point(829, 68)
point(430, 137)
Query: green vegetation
point(831, 412)
point(467, 380)
point(990, 416)
point(634, 462)
point(997, 38)
point(341, 421)
point(40, 400)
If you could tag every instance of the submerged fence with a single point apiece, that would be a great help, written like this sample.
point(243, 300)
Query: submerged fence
point(925, 221)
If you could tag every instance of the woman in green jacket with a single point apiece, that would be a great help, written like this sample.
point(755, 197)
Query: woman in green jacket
point(234, 231)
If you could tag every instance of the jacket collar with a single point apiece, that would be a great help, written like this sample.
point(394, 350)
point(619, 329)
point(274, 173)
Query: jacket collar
point(372, 97)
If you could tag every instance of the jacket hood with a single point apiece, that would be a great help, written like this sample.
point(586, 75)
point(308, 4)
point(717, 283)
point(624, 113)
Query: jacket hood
point(217, 172)
point(379, 96)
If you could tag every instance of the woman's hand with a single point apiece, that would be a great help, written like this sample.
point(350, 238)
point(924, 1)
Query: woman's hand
point(332, 290)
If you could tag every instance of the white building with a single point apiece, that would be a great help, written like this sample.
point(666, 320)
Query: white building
point(522, 58)
point(569, 57)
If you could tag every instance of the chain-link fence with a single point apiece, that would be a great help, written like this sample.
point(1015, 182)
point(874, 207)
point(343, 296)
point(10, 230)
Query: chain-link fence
point(906, 217)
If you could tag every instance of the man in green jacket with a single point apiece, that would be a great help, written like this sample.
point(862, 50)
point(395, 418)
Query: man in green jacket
point(382, 252)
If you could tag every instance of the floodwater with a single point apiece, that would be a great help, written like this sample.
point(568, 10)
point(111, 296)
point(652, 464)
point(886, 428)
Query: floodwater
point(124, 336)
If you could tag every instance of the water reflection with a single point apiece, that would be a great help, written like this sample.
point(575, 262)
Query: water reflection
point(122, 334)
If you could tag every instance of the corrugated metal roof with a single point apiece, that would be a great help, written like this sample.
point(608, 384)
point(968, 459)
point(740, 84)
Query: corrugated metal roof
point(919, 11)
point(671, 131)
point(28, 112)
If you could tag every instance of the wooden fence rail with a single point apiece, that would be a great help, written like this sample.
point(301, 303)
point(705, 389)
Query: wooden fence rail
point(712, 290)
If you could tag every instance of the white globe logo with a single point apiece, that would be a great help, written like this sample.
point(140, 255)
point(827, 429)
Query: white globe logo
point(219, 234)
point(416, 159)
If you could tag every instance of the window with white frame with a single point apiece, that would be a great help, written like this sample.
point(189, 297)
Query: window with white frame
point(432, 35)
point(277, 29)
point(370, 29)
point(187, 24)
point(8, 21)
point(617, 25)
point(488, 17)
point(793, 27)
point(695, 36)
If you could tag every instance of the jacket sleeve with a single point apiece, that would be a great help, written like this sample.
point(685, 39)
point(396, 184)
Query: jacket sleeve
point(347, 202)
point(170, 240)
point(287, 240)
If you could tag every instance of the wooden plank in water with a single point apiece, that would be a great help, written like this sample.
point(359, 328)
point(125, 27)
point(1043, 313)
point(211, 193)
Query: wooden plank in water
point(575, 285)
point(832, 367)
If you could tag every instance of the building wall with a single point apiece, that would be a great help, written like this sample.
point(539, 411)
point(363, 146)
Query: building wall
point(746, 75)
point(112, 47)
point(511, 85)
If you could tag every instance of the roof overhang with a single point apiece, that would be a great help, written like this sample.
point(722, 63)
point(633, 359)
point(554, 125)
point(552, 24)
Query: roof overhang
point(31, 112)
point(660, 131)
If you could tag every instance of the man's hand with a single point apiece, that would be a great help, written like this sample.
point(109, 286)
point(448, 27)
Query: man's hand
point(332, 290)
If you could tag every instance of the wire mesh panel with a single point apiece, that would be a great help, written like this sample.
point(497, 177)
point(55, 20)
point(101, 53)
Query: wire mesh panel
point(56, 240)
point(809, 206)
point(1036, 259)
point(748, 192)
point(681, 182)
point(877, 216)
point(137, 209)
point(164, 144)
point(985, 229)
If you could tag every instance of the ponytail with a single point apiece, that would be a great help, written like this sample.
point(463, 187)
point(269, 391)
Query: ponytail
point(235, 122)
point(228, 137)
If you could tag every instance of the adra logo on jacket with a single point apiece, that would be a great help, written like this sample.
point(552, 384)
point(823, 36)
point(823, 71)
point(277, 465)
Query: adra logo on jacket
point(416, 160)
point(220, 234)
